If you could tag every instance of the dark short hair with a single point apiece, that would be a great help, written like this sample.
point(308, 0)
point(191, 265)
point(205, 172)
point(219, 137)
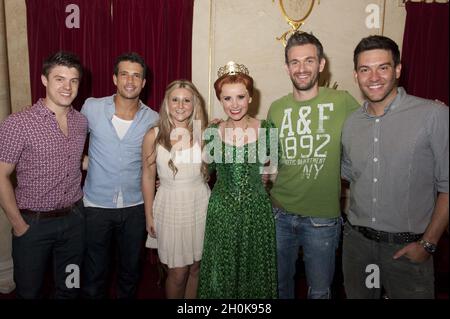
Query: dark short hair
point(302, 38)
point(130, 57)
point(245, 79)
point(375, 42)
point(62, 58)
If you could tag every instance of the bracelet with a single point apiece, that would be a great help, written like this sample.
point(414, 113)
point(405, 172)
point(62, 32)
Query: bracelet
point(429, 247)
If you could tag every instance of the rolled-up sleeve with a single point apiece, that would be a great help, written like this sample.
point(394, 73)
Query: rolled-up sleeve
point(438, 131)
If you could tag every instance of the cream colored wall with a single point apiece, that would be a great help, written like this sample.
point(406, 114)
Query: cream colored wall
point(6, 263)
point(19, 71)
point(4, 80)
point(246, 31)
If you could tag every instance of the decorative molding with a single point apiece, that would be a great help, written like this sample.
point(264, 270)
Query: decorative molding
point(295, 23)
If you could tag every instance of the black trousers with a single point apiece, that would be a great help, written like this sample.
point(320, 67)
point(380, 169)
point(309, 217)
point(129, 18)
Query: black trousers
point(63, 239)
point(127, 227)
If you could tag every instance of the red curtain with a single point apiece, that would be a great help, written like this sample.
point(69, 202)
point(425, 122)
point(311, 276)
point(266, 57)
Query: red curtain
point(425, 50)
point(159, 30)
point(48, 33)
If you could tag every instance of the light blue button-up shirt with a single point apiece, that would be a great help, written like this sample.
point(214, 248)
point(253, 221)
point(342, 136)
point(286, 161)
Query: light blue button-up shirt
point(115, 165)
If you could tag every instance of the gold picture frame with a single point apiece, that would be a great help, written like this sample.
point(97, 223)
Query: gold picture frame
point(295, 23)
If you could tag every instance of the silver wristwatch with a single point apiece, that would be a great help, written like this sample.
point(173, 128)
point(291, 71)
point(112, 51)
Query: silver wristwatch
point(429, 247)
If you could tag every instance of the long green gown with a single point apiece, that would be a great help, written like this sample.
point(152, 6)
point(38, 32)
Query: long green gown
point(239, 252)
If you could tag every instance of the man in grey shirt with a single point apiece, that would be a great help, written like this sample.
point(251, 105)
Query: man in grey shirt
point(395, 156)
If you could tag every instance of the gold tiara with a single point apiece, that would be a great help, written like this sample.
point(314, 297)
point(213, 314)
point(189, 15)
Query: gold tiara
point(232, 68)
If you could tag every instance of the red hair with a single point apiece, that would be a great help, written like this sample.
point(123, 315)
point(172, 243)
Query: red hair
point(233, 79)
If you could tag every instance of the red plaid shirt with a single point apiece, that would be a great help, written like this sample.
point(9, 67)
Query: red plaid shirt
point(48, 164)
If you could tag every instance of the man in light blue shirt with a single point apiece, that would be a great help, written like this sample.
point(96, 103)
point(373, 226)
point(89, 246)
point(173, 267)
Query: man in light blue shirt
point(112, 191)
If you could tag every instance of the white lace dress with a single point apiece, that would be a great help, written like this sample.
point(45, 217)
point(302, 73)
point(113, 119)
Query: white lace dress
point(179, 209)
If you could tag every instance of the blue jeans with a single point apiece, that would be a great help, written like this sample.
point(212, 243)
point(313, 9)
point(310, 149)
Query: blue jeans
point(319, 238)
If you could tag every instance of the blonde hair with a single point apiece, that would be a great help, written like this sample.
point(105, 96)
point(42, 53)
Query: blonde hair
point(166, 125)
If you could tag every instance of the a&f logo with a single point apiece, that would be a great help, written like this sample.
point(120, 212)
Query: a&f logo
point(73, 19)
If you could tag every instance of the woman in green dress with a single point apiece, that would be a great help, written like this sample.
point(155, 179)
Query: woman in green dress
point(239, 256)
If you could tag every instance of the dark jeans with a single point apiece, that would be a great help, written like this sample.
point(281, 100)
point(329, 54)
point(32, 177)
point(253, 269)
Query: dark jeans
point(59, 237)
point(400, 278)
point(127, 227)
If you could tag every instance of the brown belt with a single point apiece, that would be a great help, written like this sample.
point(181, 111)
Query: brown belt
point(52, 213)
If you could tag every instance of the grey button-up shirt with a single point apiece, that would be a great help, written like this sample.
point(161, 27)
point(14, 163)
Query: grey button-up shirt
point(396, 163)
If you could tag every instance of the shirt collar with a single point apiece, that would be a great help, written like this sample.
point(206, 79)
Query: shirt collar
point(391, 107)
point(43, 110)
point(111, 107)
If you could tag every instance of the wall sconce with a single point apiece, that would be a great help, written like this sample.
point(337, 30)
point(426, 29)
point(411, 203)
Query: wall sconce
point(295, 13)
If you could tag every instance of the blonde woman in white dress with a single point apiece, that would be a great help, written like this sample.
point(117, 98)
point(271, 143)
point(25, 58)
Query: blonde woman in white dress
point(176, 215)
